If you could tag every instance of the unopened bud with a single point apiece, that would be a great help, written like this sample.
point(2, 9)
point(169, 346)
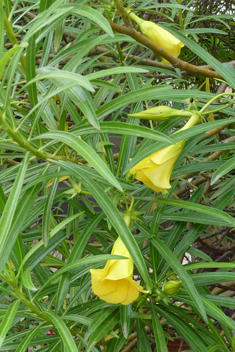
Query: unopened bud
point(161, 113)
point(171, 287)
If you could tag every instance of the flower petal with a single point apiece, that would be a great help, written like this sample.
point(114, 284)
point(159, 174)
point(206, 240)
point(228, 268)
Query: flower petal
point(99, 285)
point(120, 269)
point(125, 293)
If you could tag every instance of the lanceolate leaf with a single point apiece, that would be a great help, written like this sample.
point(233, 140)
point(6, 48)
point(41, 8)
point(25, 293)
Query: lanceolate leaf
point(86, 151)
point(8, 214)
point(183, 275)
point(198, 207)
point(7, 320)
point(63, 331)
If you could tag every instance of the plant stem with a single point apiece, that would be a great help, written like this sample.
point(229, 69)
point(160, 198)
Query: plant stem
point(181, 22)
point(17, 138)
point(123, 13)
point(12, 37)
point(215, 98)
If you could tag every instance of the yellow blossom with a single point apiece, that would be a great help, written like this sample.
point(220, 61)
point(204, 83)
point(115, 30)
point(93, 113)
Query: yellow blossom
point(155, 170)
point(159, 36)
point(114, 283)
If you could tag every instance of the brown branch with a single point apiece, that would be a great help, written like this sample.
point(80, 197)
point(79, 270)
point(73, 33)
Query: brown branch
point(176, 62)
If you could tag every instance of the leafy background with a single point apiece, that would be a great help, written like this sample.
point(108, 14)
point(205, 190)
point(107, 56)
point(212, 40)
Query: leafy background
point(68, 82)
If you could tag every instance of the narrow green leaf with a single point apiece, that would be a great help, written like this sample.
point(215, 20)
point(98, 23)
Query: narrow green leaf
point(84, 150)
point(78, 318)
point(63, 288)
point(25, 343)
point(83, 238)
point(4, 60)
point(157, 329)
point(47, 211)
point(125, 316)
point(198, 207)
point(123, 128)
point(7, 320)
point(223, 170)
point(143, 343)
point(103, 328)
point(182, 273)
point(94, 16)
point(189, 334)
point(115, 70)
point(64, 332)
point(51, 234)
point(3, 199)
point(9, 211)
point(27, 281)
point(1, 30)
point(31, 71)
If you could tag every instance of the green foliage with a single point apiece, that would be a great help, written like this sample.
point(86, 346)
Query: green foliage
point(67, 83)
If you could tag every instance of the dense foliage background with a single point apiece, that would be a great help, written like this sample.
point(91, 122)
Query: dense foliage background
point(70, 73)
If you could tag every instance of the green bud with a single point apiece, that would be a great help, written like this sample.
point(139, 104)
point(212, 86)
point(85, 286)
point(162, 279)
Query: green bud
point(171, 287)
point(161, 113)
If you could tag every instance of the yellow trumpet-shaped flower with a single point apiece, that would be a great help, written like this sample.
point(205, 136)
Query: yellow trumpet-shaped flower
point(159, 36)
point(114, 283)
point(155, 170)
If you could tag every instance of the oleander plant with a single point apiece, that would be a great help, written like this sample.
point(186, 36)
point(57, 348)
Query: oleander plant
point(117, 181)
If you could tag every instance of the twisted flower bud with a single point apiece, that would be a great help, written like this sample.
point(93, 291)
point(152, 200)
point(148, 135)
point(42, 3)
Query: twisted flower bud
point(161, 113)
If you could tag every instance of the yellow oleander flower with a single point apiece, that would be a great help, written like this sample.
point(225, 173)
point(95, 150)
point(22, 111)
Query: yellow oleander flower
point(161, 113)
point(171, 287)
point(159, 36)
point(155, 170)
point(114, 283)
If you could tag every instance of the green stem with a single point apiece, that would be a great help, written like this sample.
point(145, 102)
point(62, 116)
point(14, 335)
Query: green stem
point(123, 13)
point(181, 22)
point(191, 122)
point(213, 99)
point(12, 37)
point(37, 311)
point(219, 109)
point(18, 139)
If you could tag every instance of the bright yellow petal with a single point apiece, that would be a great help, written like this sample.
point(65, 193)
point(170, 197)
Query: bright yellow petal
point(99, 285)
point(143, 178)
point(142, 164)
point(167, 153)
point(125, 293)
point(160, 176)
point(120, 269)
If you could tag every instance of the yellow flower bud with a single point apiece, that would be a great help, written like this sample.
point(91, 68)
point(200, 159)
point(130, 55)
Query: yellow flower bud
point(161, 113)
point(114, 283)
point(159, 36)
point(171, 287)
